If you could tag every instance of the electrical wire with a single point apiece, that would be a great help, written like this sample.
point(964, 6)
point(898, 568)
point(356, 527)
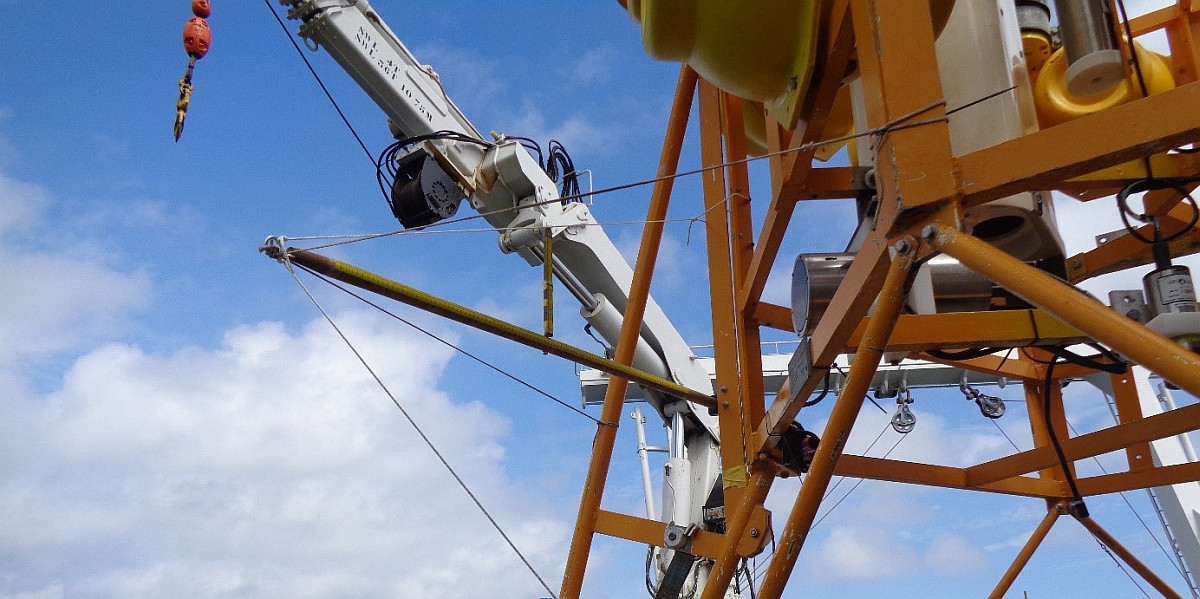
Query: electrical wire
point(387, 165)
point(1136, 515)
point(824, 391)
point(1112, 367)
point(966, 354)
point(561, 169)
point(1144, 185)
point(1121, 567)
point(420, 432)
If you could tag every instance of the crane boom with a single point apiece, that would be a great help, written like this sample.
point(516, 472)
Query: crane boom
point(444, 160)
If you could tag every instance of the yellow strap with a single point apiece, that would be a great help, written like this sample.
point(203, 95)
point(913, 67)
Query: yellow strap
point(735, 477)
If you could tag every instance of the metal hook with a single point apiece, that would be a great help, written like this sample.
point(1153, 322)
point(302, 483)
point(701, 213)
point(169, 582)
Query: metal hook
point(904, 421)
point(990, 406)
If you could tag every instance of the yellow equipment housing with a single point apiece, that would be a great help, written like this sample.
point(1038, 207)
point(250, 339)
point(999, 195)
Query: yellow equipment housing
point(760, 50)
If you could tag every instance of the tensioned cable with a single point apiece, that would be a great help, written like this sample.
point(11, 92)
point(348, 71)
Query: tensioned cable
point(1121, 567)
point(416, 427)
point(345, 238)
point(456, 348)
point(856, 484)
point(329, 95)
point(1010, 441)
point(1099, 465)
point(896, 124)
point(759, 570)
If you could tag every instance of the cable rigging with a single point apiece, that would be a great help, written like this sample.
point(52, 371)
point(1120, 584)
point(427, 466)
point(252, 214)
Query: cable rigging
point(420, 432)
point(456, 348)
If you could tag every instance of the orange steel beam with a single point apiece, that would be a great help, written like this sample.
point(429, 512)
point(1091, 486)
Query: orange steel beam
point(731, 397)
point(1125, 396)
point(741, 250)
point(797, 165)
point(1134, 563)
point(944, 476)
point(614, 399)
point(704, 543)
point(1182, 25)
point(850, 303)
point(837, 429)
point(1008, 328)
point(1177, 421)
point(1131, 339)
point(773, 315)
point(762, 476)
point(1006, 365)
point(901, 86)
point(828, 183)
point(1125, 251)
point(1158, 476)
point(1110, 180)
point(1026, 552)
point(1146, 126)
point(895, 52)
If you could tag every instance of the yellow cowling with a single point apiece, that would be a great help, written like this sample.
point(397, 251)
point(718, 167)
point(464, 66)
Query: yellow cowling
point(1056, 105)
point(760, 50)
point(763, 51)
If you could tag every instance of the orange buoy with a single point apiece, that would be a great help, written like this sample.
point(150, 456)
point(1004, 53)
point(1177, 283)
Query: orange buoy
point(196, 37)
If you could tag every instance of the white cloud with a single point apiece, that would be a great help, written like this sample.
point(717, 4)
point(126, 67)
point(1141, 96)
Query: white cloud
point(1080, 223)
point(272, 466)
point(56, 292)
point(577, 133)
point(21, 206)
point(853, 553)
point(594, 67)
point(952, 555)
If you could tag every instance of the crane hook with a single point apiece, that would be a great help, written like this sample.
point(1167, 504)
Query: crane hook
point(197, 38)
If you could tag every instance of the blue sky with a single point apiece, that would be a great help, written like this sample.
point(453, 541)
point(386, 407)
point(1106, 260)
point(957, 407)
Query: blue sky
point(176, 419)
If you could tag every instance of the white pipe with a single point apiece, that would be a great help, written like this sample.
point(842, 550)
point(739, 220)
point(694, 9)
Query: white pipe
point(643, 455)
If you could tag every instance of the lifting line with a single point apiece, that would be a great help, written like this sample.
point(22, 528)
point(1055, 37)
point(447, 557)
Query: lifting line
point(428, 442)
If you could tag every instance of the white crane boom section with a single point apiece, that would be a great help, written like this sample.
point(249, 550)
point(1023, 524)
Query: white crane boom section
point(504, 183)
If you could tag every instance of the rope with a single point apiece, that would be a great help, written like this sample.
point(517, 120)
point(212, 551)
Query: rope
point(320, 83)
point(760, 569)
point(456, 348)
point(417, 428)
point(894, 125)
point(1170, 558)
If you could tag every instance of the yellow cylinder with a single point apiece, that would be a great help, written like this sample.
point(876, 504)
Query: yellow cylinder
point(1056, 105)
point(763, 51)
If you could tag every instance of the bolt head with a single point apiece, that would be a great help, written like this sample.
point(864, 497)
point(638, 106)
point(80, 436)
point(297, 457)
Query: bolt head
point(929, 232)
point(902, 247)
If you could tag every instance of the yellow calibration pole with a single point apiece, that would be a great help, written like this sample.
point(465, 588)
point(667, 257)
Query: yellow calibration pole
point(548, 281)
point(196, 40)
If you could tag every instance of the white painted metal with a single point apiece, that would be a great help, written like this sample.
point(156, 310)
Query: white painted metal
point(920, 374)
point(644, 450)
point(511, 191)
point(980, 56)
point(1180, 503)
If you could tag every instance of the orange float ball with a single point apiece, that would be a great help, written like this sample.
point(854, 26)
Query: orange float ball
point(196, 37)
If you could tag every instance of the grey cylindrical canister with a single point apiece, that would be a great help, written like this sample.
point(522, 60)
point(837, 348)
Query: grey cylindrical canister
point(1094, 64)
point(1170, 290)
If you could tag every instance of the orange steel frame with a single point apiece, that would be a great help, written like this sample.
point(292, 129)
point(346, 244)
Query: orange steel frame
point(923, 191)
